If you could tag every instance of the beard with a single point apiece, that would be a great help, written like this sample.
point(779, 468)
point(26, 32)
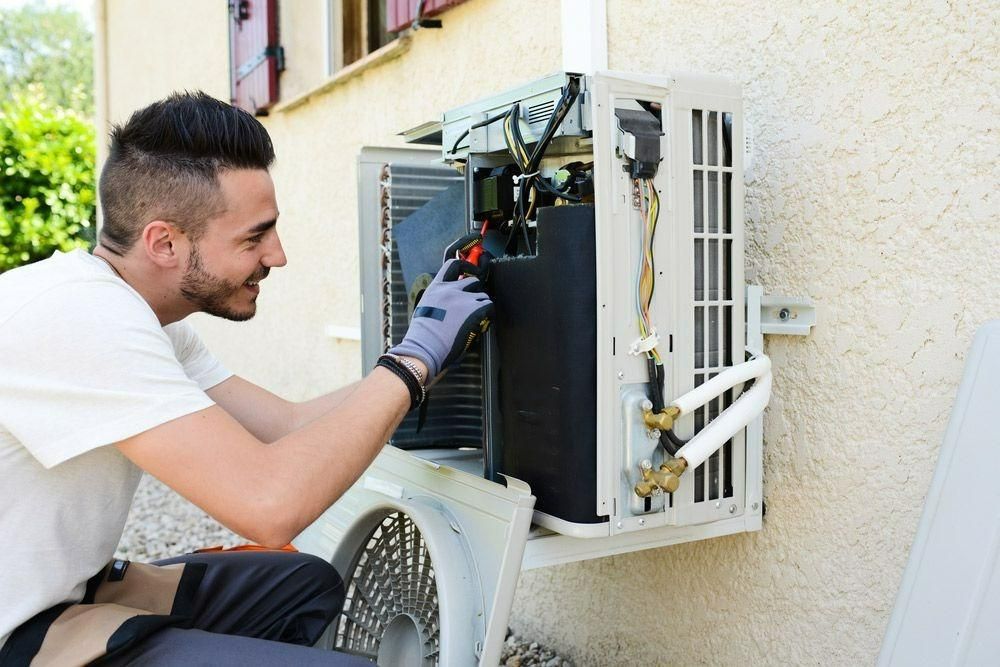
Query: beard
point(212, 294)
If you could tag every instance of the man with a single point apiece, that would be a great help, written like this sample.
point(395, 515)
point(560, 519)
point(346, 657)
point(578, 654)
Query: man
point(101, 378)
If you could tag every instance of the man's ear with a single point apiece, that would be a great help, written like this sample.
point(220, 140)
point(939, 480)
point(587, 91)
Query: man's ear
point(165, 245)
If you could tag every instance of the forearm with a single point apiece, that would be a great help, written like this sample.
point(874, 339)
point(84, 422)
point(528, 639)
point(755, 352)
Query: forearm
point(306, 411)
point(314, 465)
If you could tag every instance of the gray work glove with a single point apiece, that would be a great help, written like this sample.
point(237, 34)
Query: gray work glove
point(452, 312)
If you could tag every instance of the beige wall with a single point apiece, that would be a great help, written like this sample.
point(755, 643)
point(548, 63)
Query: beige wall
point(872, 193)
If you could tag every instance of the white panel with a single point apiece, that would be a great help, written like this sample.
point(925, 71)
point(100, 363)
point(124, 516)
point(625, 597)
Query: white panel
point(948, 608)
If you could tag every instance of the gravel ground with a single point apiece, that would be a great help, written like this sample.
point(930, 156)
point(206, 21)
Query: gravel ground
point(161, 524)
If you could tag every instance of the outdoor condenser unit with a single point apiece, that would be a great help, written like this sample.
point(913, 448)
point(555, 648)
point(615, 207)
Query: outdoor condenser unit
point(620, 387)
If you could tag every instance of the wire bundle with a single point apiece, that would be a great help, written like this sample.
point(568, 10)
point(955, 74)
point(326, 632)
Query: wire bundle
point(528, 163)
point(649, 211)
point(645, 283)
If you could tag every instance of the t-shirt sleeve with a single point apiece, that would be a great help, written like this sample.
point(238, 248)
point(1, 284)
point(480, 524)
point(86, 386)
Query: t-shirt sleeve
point(86, 365)
point(199, 364)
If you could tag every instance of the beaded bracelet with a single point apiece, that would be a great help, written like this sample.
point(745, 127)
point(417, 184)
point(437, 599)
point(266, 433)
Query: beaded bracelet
point(410, 378)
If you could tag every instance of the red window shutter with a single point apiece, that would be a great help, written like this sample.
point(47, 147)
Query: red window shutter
point(399, 14)
point(256, 55)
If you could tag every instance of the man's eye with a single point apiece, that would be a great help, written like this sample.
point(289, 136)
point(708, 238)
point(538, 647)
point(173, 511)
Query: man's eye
point(256, 238)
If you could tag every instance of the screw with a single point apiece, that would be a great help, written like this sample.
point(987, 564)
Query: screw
point(653, 434)
point(618, 525)
point(645, 464)
point(717, 504)
point(642, 522)
point(657, 491)
point(784, 314)
point(621, 375)
point(754, 507)
point(646, 404)
point(732, 509)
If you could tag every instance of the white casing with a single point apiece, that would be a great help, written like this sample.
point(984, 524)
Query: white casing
point(475, 531)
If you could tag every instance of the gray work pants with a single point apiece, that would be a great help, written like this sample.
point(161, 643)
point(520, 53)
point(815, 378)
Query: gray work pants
point(252, 608)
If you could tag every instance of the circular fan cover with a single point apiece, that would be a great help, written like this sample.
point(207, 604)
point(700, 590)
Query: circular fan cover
point(391, 610)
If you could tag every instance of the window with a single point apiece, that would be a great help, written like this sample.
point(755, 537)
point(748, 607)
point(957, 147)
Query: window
point(355, 29)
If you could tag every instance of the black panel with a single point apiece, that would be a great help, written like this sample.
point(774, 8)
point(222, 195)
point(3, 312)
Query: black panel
point(546, 332)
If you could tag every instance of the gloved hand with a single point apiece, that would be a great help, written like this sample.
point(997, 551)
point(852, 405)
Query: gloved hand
point(451, 313)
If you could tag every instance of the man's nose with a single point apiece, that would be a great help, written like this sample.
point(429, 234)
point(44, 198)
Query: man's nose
point(275, 255)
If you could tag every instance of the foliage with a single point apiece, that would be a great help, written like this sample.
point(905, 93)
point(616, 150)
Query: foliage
point(51, 47)
point(47, 198)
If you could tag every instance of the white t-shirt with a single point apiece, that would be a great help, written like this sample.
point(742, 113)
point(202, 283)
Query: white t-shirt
point(84, 363)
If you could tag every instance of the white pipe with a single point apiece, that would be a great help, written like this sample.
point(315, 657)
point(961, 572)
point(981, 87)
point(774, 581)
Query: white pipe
point(584, 36)
point(727, 379)
point(732, 420)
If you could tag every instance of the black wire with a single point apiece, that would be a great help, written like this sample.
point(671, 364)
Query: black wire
point(654, 385)
point(668, 439)
point(482, 123)
point(565, 103)
point(543, 184)
point(673, 444)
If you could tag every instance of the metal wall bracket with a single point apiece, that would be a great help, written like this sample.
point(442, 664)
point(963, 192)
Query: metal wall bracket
point(785, 315)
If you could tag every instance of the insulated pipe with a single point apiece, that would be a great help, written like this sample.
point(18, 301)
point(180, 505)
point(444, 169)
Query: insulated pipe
point(732, 420)
point(758, 366)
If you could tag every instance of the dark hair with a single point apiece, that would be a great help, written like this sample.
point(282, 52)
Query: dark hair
point(164, 163)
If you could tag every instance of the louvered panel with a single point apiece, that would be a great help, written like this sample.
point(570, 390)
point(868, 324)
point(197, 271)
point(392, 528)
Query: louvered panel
point(454, 411)
point(255, 54)
point(713, 302)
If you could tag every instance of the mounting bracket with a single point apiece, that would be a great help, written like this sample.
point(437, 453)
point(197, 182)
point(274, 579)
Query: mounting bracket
point(785, 315)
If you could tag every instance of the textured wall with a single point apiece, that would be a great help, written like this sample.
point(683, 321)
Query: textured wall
point(873, 192)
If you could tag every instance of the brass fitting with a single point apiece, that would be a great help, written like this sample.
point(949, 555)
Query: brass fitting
point(663, 420)
point(666, 478)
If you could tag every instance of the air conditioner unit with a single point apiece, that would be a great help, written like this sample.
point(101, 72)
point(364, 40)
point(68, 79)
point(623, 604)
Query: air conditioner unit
point(621, 385)
point(641, 180)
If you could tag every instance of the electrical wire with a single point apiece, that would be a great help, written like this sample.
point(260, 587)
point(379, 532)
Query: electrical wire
point(528, 163)
point(649, 212)
point(482, 123)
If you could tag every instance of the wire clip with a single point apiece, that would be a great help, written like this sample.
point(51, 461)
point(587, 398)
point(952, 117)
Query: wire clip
point(644, 345)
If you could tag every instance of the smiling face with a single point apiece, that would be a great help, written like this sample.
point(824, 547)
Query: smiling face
point(237, 250)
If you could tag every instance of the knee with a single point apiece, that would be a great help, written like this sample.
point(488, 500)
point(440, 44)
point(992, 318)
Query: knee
point(318, 571)
point(323, 579)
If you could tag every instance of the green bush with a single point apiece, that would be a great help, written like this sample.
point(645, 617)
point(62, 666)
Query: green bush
point(47, 198)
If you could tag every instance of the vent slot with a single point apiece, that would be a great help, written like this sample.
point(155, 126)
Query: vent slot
point(713, 304)
point(541, 111)
point(454, 415)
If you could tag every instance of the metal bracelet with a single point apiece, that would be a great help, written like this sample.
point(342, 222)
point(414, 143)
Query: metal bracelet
point(410, 365)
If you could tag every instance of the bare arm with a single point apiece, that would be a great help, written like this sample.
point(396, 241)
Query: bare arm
point(267, 416)
point(270, 492)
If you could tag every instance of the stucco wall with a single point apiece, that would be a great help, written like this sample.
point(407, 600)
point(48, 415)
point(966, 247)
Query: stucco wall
point(872, 192)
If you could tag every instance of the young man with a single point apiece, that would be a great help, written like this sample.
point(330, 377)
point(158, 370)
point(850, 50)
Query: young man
point(100, 378)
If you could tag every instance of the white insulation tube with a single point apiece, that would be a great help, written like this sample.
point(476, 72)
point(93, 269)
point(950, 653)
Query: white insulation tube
point(727, 379)
point(733, 419)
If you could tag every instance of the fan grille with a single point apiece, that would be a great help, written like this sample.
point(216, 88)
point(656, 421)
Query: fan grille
point(392, 576)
